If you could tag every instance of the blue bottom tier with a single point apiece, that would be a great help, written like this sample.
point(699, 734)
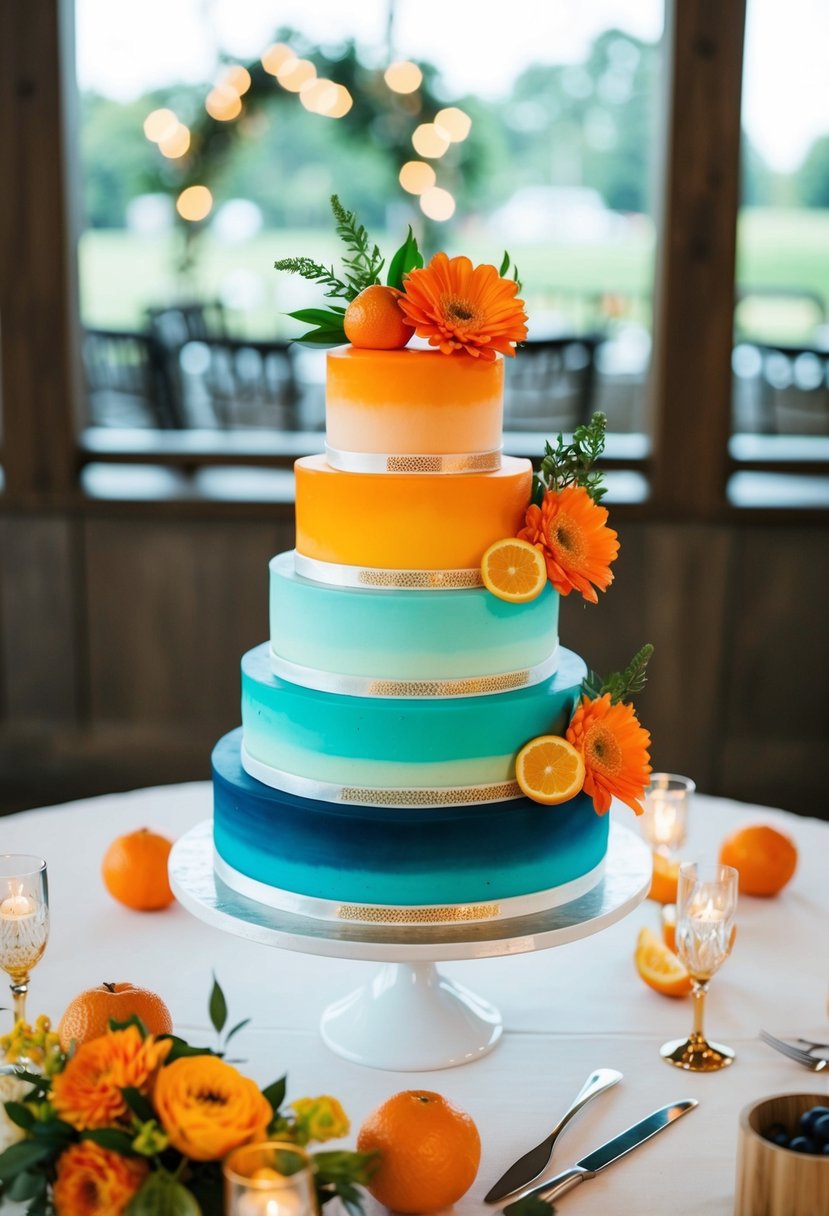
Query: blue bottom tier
point(398, 856)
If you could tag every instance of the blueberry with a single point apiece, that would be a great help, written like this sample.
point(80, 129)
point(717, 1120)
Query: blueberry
point(810, 1117)
point(777, 1134)
point(820, 1128)
point(802, 1144)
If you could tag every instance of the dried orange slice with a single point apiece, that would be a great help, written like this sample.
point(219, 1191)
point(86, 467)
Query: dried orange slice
point(514, 570)
point(659, 967)
point(549, 770)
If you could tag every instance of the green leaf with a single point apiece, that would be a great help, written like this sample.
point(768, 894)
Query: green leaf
point(319, 316)
point(341, 1164)
point(275, 1093)
point(323, 337)
point(27, 1186)
point(20, 1114)
point(569, 464)
point(163, 1195)
point(365, 263)
point(182, 1048)
point(20, 1157)
point(138, 1103)
point(55, 1131)
point(111, 1138)
point(135, 1020)
point(407, 257)
point(504, 267)
point(239, 1026)
point(307, 268)
point(217, 1007)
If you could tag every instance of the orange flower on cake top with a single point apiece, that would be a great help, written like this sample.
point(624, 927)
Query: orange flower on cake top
point(571, 531)
point(461, 307)
point(615, 751)
point(88, 1094)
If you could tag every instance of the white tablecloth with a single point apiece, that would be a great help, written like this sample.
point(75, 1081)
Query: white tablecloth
point(566, 1011)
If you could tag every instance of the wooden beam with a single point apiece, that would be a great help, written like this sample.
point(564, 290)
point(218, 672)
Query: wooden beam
point(694, 295)
point(37, 298)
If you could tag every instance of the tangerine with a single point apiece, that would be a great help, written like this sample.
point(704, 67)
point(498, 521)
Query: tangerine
point(375, 321)
point(429, 1149)
point(665, 879)
point(514, 570)
point(659, 967)
point(87, 1015)
point(764, 858)
point(134, 870)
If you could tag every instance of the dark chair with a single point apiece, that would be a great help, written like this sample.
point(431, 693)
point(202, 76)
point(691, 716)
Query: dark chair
point(126, 380)
point(780, 389)
point(550, 385)
point(238, 382)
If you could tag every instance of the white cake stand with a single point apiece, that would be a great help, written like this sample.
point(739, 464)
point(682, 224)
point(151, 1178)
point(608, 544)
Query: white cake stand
point(410, 1017)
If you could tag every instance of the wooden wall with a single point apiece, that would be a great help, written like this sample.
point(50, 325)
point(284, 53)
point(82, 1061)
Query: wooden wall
point(121, 632)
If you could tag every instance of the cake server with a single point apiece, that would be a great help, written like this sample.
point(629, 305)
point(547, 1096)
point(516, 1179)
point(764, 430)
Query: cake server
point(529, 1166)
point(619, 1146)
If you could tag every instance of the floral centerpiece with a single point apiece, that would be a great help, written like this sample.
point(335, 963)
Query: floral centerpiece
point(138, 1124)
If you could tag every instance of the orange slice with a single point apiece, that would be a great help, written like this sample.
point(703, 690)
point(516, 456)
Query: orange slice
point(659, 967)
point(669, 926)
point(549, 770)
point(665, 879)
point(514, 570)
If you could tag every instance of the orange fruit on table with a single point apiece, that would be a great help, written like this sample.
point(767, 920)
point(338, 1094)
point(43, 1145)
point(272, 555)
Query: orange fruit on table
point(87, 1015)
point(429, 1149)
point(134, 870)
point(665, 879)
point(549, 770)
point(375, 321)
point(764, 858)
point(514, 570)
point(659, 967)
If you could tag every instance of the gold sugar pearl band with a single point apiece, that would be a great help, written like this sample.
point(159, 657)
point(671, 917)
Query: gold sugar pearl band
point(429, 915)
point(378, 462)
point(460, 795)
point(335, 574)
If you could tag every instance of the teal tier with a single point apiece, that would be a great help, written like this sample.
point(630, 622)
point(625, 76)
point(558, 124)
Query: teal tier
point(386, 743)
point(398, 856)
point(406, 635)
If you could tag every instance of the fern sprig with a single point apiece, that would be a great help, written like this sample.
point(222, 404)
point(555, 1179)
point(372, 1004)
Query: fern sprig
point(620, 684)
point(365, 263)
point(307, 268)
point(572, 463)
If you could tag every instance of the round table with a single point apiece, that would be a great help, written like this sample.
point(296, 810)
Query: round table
point(565, 1013)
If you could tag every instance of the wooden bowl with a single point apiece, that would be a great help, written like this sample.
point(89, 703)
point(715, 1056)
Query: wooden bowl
point(774, 1181)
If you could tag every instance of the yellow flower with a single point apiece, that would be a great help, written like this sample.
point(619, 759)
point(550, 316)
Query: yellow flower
point(208, 1108)
point(88, 1092)
point(92, 1181)
point(319, 1119)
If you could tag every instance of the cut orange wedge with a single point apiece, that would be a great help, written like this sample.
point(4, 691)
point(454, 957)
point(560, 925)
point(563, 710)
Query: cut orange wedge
point(549, 770)
point(665, 879)
point(659, 967)
point(514, 570)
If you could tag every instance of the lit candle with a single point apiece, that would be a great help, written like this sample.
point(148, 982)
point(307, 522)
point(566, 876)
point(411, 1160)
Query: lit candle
point(664, 813)
point(270, 1203)
point(16, 904)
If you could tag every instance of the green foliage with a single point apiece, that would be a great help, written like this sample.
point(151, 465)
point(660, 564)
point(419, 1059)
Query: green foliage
point(275, 1093)
point(307, 268)
point(217, 1007)
point(813, 175)
point(163, 1195)
point(569, 464)
point(364, 263)
point(622, 685)
point(340, 1173)
point(504, 269)
point(407, 257)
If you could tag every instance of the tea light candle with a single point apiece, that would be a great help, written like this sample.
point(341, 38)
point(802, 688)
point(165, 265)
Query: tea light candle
point(17, 905)
point(270, 1203)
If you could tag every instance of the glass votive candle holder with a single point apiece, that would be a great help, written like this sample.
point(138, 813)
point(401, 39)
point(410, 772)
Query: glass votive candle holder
point(665, 817)
point(273, 1178)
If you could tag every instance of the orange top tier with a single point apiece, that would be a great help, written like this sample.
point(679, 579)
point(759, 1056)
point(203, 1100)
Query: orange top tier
point(420, 402)
point(400, 521)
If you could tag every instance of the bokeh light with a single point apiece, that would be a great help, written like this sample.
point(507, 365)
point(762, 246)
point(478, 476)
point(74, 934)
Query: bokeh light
point(416, 176)
point(194, 203)
point(403, 76)
point(342, 105)
point(437, 203)
point(223, 103)
point(294, 72)
point(453, 123)
point(275, 56)
point(319, 96)
point(428, 141)
point(158, 124)
point(237, 78)
point(174, 143)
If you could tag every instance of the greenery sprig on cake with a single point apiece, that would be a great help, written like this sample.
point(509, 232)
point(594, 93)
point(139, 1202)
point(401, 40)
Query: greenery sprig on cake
point(569, 464)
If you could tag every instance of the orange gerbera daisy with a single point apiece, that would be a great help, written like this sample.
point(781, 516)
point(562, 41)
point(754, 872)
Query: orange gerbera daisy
point(92, 1180)
point(571, 531)
point(615, 751)
point(461, 307)
point(88, 1092)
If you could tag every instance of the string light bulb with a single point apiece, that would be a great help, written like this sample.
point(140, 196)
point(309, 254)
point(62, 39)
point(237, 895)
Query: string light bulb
point(403, 76)
point(194, 203)
point(342, 105)
point(159, 123)
point(294, 73)
point(428, 141)
point(175, 143)
point(416, 176)
point(319, 96)
point(453, 124)
point(236, 77)
point(223, 103)
point(437, 203)
point(274, 57)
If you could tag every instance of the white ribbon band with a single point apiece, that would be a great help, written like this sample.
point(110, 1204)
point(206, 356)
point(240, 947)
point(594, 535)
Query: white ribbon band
point(356, 795)
point(395, 914)
point(379, 462)
point(371, 686)
point(337, 575)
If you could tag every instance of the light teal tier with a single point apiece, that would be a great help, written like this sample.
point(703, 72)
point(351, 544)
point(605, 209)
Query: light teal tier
point(385, 743)
point(406, 635)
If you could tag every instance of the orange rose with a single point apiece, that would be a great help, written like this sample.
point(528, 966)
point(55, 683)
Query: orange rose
point(88, 1092)
point(91, 1180)
point(208, 1108)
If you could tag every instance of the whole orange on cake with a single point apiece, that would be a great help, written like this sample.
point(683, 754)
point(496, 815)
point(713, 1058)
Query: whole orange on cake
point(429, 1149)
point(134, 870)
point(87, 1015)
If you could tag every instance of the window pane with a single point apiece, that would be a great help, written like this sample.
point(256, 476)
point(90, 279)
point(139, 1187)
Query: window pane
point(185, 317)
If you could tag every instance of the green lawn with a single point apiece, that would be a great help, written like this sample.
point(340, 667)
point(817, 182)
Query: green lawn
point(122, 274)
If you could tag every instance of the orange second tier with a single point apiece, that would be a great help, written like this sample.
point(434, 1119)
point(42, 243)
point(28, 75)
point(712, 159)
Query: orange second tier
point(406, 402)
point(398, 521)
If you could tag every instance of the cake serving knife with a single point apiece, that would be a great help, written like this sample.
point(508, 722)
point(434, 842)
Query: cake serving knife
point(528, 1167)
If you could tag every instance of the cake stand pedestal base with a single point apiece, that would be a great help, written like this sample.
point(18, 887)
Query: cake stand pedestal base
point(437, 1023)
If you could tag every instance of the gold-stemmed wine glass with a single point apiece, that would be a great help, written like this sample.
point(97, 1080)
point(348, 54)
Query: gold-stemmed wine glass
point(706, 904)
point(24, 921)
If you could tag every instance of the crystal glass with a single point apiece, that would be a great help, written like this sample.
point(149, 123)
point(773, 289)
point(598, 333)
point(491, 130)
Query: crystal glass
point(665, 817)
point(24, 921)
point(269, 1179)
point(706, 904)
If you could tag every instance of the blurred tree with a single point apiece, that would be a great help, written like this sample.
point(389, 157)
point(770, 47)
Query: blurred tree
point(812, 178)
